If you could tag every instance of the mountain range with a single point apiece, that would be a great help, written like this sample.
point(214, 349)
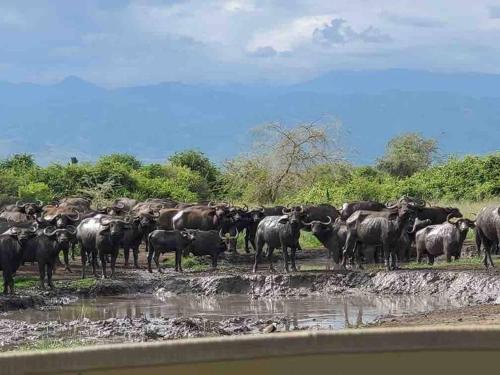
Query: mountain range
point(77, 118)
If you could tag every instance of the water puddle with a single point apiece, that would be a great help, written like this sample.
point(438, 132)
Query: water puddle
point(325, 312)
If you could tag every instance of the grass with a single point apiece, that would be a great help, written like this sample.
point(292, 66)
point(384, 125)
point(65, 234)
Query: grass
point(308, 241)
point(188, 263)
point(51, 344)
point(82, 283)
point(25, 282)
point(28, 282)
point(442, 264)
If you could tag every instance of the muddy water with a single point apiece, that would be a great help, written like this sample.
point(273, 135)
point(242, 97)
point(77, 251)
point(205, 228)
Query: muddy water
point(325, 312)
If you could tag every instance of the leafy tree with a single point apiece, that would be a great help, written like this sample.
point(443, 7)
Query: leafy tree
point(407, 154)
point(196, 161)
point(127, 160)
point(18, 162)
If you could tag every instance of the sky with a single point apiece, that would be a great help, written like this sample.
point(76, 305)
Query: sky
point(116, 43)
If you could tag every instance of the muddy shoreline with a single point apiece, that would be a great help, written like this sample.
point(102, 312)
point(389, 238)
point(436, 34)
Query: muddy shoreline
point(476, 291)
point(471, 286)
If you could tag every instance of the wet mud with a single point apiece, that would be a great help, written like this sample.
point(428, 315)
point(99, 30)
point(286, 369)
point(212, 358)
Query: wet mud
point(139, 306)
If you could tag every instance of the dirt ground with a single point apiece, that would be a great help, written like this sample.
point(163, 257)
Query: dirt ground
point(470, 315)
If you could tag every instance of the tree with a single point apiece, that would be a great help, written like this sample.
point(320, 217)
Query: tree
point(407, 154)
point(18, 162)
point(127, 160)
point(197, 162)
point(281, 157)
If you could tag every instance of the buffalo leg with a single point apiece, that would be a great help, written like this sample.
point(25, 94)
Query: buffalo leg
point(102, 257)
point(66, 260)
point(150, 258)
point(215, 256)
point(41, 274)
point(126, 255)
point(285, 257)
point(94, 263)
point(73, 246)
point(84, 262)
point(258, 255)
point(135, 253)
point(50, 270)
point(157, 260)
point(348, 247)
point(387, 255)
point(270, 251)
point(6, 281)
point(178, 260)
point(113, 262)
point(293, 252)
point(247, 240)
point(357, 255)
point(430, 259)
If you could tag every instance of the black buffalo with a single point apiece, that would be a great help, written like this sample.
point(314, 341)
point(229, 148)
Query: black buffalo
point(162, 241)
point(209, 242)
point(141, 225)
point(349, 208)
point(488, 232)
point(12, 244)
point(280, 231)
point(101, 235)
point(376, 228)
point(45, 248)
point(447, 238)
point(332, 235)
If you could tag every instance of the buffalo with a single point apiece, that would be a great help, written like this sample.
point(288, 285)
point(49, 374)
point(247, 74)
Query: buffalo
point(447, 238)
point(101, 235)
point(488, 232)
point(209, 242)
point(377, 228)
point(121, 206)
point(45, 248)
point(280, 231)
point(349, 208)
point(162, 241)
point(141, 225)
point(331, 234)
point(12, 244)
point(165, 218)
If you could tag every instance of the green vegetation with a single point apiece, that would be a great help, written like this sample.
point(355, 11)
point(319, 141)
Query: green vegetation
point(26, 282)
point(52, 344)
point(188, 263)
point(288, 165)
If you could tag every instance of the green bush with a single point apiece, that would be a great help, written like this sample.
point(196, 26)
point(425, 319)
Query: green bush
point(34, 191)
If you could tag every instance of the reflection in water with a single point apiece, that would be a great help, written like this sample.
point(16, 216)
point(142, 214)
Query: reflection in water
point(333, 312)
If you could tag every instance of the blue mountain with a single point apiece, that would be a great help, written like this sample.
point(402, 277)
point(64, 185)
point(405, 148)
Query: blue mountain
point(78, 118)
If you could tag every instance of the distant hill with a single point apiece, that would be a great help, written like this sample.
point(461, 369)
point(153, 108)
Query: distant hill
point(75, 117)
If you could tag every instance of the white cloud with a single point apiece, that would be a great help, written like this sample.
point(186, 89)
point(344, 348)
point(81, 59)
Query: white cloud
point(146, 41)
point(289, 35)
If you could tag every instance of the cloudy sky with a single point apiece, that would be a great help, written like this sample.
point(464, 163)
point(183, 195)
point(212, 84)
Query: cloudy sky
point(121, 43)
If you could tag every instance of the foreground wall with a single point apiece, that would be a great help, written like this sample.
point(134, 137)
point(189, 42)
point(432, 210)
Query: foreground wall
point(459, 350)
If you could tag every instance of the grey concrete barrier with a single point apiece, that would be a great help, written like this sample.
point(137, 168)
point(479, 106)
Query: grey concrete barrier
point(421, 350)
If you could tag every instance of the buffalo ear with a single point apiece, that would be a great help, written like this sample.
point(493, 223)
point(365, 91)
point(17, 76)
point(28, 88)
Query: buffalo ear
point(283, 219)
point(106, 229)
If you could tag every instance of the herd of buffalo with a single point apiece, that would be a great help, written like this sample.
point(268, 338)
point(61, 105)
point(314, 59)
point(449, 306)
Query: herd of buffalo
point(360, 232)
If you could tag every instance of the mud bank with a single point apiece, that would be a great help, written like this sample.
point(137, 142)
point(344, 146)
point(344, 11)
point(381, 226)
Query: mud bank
point(18, 334)
point(473, 287)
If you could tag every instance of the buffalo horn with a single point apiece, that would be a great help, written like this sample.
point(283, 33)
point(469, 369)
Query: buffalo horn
point(47, 231)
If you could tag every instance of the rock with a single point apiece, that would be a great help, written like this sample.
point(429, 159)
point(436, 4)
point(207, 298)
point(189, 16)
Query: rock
point(270, 328)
